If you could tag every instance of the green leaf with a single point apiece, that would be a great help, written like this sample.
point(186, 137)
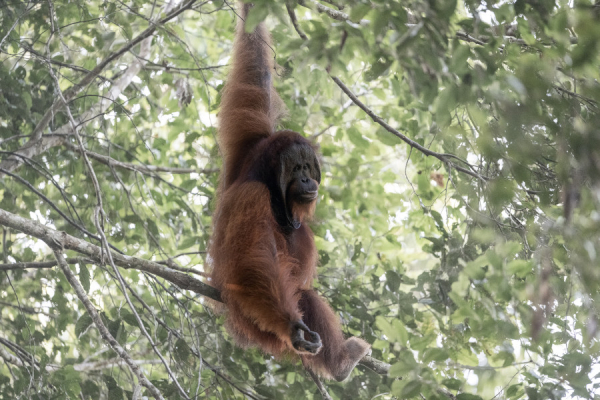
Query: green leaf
point(257, 14)
point(452, 383)
point(359, 11)
point(434, 354)
point(519, 268)
point(84, 276)
point(82, 324)
point(406, 365)
point(357, 138)
point(411, 389)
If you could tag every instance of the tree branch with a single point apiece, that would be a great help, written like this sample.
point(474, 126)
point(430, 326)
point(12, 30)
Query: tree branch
point(39, 143)
point(8, 357)
point(54, 206)
point(339, 6)
point(81, 367)
point(113, 362)
point(145, 169)
point(443, 157)
point(39, 264)
point(63, 240)
point(484, 39)
point(378, 366)
point(294, 20)
point(59, 239)
point(330, 12)
point(25, 309)
point(102, 328)
point(320, 385)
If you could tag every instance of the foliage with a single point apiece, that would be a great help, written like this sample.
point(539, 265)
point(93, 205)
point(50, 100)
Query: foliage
point(472, 286)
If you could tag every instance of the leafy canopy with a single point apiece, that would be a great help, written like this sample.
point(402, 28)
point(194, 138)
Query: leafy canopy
point(468, 257)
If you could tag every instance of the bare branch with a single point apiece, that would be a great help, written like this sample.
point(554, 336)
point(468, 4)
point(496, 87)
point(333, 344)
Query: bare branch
point(484, 39)
point(62, 64)
point(25, 309)
point(102, 328)
point(443, 157)
point(330, 12)
point(61, 239)
point(184, 71)
point(141, 168)
point(320, 385)
point(468, 38)
point(10, 358)
point(294, 20)
point(380, 367)
point(339, 6)
point(104, 364)
point(82, 367)
point(39, 264)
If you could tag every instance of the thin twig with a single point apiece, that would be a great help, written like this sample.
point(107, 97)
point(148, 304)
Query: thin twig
point(40, 264)
point(102, 328)
point(145, 169)
point(330, 12)
point(320, 385)
point(294, 20)
point(25, 309)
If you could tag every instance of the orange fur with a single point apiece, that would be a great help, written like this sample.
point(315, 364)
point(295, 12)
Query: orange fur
point(262, 252)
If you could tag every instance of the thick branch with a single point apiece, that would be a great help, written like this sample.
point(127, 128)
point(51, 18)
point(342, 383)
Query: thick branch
point(380, 367)
point(9, 358)
point(63, 240)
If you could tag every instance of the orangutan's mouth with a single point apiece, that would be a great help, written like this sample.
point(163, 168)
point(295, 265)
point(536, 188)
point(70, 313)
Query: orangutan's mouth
point(309, 196)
